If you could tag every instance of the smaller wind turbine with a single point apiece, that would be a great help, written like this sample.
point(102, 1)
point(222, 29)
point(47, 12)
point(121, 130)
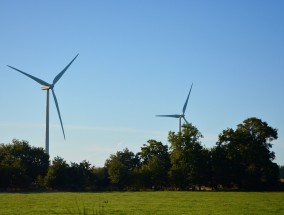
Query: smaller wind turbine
point(46, 86)
point(182, 115)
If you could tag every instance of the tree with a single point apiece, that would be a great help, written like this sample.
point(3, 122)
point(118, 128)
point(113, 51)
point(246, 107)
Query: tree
point(155, 164)
point(281, 171)
point(21, 164)
point(248, 152)
point(220, 168)
point(80, 175)
point(57, 176)
point(100, 178)
point(188, 158)
point(62, 176)
point(120, 167)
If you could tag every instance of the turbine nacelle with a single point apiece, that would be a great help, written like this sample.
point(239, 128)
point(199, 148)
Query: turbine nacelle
point(45, 87)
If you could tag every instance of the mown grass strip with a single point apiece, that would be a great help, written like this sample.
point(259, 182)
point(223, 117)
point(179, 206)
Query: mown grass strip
point(140, 203)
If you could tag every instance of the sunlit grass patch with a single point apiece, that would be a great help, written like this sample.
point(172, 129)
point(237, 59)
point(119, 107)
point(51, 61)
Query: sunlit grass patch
point(142, 203)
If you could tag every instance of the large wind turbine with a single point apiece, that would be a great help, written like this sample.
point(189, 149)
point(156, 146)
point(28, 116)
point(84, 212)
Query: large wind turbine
point(182, 115)
point(46, 86)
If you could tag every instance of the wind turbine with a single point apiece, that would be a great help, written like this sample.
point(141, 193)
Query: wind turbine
point(46, 86)
point(182, 115)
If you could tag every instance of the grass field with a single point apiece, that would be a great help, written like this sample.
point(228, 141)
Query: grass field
point(197, 203)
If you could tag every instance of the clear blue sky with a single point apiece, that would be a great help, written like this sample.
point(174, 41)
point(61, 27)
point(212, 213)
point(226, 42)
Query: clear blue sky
point(138, 59)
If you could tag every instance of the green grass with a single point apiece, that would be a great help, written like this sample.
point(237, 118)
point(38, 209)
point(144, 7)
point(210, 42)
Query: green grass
point(197, 203)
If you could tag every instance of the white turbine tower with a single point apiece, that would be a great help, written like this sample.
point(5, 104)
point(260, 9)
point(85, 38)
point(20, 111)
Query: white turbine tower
point(182, 115)
point(46, 86)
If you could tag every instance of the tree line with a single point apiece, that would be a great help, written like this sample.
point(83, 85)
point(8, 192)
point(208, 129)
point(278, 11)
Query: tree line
point(241, 159)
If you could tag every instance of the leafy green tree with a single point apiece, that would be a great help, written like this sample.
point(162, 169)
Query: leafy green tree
point(220, 168)
point(100, 178)
point(248, 153)
point(79, 175)
point(200, 173)
point(57, 176)
point(188, 158)
point(12, 175)
point(62, 176)
point(120, 167)
point(21, 164)
point(155, 164)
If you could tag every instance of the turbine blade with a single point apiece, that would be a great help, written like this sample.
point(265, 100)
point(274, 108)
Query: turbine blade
point(58, 111)
point(32, 77)
point(173, 115)
point(64, 70)
point(185, 104)
point(185, 120)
